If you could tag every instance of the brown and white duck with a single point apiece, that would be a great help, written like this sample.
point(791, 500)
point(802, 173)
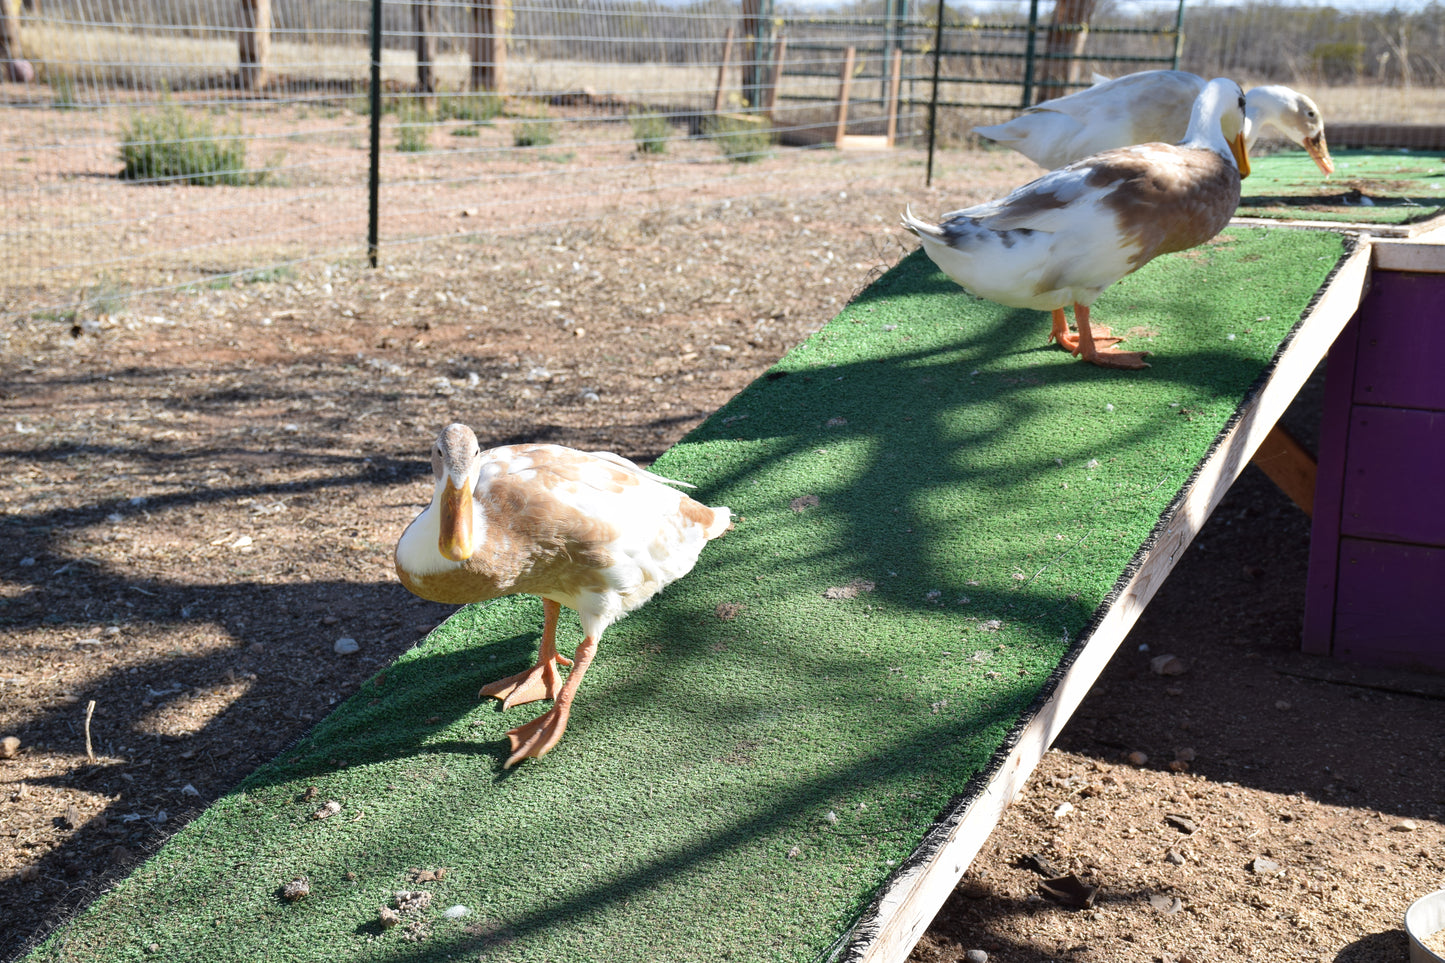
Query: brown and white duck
point(587, 530)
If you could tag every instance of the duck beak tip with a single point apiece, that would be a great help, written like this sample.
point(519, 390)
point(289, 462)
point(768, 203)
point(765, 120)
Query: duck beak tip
point(455, 538)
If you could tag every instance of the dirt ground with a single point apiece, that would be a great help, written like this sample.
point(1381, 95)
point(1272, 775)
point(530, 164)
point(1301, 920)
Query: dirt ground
point(202, 492)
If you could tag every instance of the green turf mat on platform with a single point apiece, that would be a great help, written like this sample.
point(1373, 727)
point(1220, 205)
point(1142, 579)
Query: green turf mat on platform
point(932, 504)
point(1367, 187)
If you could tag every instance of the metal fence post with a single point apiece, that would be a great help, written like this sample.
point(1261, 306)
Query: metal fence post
point(1028, 93)
point(373, 214)
point(933, 96)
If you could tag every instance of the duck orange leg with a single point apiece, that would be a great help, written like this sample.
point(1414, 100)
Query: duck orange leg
point(1101, 337)
point(535, 738)
point(541, 681)
point(1099, 350)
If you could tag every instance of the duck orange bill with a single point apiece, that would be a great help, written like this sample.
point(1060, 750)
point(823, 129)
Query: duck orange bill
point(1241, 153)
point(455, 537)
point(1317, 149)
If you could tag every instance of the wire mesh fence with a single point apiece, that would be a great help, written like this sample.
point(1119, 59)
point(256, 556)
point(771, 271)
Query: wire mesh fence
point(152, 146)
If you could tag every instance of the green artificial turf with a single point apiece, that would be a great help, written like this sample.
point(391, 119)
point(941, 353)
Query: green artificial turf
point(931, 505)
point(1367, 187)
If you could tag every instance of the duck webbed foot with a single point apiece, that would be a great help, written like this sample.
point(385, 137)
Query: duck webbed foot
point(1095, 345)
point(534, 739)
point(542, 680)
point(1102, 337)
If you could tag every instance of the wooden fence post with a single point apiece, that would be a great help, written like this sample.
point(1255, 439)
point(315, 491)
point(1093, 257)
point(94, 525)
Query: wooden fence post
point(255, 43)
point(845, 87)
point(426, 80)
point(895, 79)
point(489, 44)
point(1067, 37)
point(722, 70)
point(780, 52)
point(10, 55)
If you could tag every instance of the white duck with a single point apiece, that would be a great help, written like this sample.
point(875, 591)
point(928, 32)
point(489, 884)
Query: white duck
point(1067, 236)
point(588, 530)
point(1149, 106)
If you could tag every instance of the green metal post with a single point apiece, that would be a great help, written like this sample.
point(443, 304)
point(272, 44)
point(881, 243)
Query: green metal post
point(933, 98)
point(373, 214)
point(1028, 93)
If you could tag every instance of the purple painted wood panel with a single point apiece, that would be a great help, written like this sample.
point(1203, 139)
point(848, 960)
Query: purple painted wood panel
point(1390, 604)
point(1395, 476)
point(1319, 621)
point(1402, 342)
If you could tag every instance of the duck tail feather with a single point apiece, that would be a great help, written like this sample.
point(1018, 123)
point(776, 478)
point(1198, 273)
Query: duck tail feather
point(918, 227)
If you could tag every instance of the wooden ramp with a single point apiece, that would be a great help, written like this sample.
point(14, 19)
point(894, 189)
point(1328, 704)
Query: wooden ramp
point(944, 530)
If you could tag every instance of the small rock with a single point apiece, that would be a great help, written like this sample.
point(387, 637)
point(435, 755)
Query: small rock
point(1260, 866)
point(1070, 890)
point(1174, 857)
point(9, 747)
point(975, 956)
point(1283, 706)
point(1063, 810)
point(1137, 758)
point(1181, 822)
point(1405, 826)
point(331, 808)
point(1167, 665)
point(1185, 754)
point(296, 889)
point(346, 645)
point(1040, 864)
point(27, 561)
point(71, 819)
point(1168, 905)
point(388, 917)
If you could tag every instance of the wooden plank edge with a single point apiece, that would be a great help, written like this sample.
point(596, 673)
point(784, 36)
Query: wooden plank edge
point(1422, 255)
point(1378, 230)
point(900, 913)
point(1290, 466)
point(1419, 229)
point(863, 142)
